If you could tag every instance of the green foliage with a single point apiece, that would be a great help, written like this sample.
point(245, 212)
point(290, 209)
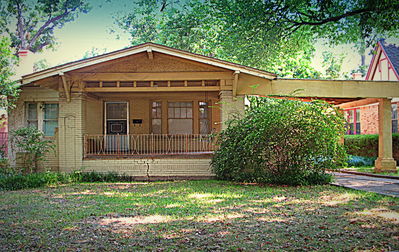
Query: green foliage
point(270, 35)
point(281, 141)
point(33, 180)
point(367, 145)
point(41, 65)
point(8, 88)
point(332, 65)
point(32, 141)
point(31, 24)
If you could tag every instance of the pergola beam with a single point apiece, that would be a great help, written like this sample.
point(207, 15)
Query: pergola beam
point(323, 88)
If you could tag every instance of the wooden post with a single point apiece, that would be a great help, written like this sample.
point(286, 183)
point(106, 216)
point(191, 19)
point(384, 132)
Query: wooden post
point(385, 161)
point(66, 88)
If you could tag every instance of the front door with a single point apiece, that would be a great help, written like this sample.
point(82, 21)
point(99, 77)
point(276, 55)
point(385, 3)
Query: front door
point(117, 126)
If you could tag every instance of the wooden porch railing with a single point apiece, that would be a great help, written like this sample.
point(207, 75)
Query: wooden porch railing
point(147, 144)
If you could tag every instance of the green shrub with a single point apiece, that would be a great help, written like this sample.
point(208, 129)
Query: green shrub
point(281, 142)
point(33, 180)
point(31, 141)
point(367, 145)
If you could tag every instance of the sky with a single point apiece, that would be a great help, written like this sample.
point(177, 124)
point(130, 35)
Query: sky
point(92, 30)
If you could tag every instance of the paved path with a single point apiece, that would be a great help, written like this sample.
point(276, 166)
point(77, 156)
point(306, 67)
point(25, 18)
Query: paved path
point(371, 184)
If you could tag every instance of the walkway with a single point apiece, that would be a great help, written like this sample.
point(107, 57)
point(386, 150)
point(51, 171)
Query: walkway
point(371, 184)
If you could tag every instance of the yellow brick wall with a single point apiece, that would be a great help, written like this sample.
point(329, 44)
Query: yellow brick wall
point(152, 167)
point(16, 119)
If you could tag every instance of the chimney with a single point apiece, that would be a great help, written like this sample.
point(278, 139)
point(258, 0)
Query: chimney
point(25, 65)
point(357, 76)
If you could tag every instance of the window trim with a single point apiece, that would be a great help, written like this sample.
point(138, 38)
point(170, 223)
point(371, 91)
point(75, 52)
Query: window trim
point(355, 121)
point(40, 114)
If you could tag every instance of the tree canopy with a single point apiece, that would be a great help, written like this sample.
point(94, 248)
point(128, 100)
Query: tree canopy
point(31, 24)
point(258, 33)
point(8, 88)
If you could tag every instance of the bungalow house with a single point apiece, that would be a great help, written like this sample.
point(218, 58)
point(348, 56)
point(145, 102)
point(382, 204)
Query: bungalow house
point(362, 115)
point(149, 111)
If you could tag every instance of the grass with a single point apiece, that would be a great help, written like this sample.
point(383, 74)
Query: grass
point(370, 169)
point(197, 215)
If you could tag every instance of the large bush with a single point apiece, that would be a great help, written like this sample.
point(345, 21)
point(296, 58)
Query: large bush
point(282, 142)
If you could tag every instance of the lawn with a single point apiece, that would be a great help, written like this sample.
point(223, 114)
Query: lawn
point(370, 169)
point(197, 215)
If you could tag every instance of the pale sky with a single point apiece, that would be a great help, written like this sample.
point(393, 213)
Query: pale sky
point(92, 31)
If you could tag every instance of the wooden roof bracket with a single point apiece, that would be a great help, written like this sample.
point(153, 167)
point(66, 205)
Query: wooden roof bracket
point(235, 83)
point(149, 53)
point(67, 87)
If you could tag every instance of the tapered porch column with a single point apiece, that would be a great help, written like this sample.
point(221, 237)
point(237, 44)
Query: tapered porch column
point(385, 161)
point(231, 106)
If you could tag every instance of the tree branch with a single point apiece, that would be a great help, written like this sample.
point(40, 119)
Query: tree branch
point(49, 22)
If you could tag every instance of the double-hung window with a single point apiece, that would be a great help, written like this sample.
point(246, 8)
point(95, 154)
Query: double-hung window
point(353, 122)
point(156, 117)
point(204, 118)
point(180, 117)
point(395, 118)
point(43, 116)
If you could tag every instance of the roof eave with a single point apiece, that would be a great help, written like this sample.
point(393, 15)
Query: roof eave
point(138, 49)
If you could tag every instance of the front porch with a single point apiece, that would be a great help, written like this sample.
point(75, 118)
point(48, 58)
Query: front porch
point(148, 145)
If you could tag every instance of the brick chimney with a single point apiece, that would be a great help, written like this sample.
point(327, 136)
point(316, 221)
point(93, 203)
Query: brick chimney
point(25, 65)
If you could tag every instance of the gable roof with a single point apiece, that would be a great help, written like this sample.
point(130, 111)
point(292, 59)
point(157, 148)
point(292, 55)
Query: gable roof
point(391, 51)
point(146, 47)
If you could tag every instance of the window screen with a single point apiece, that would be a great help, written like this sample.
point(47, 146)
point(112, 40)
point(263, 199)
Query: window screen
point(116, 110)
point(180, 117)
point(50, 120)
point(156, 115)
point(204, 118)
point(31, 115)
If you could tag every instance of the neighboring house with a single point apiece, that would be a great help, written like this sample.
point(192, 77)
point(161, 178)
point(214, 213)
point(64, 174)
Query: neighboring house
point(363, 116)
point(149, 111)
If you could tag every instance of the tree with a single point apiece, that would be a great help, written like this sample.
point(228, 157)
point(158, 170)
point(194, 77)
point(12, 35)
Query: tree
point(31, 24)
point(332, 65)
point(40, 65)
point(94, 51)
point(8, 88)
point(258, 33)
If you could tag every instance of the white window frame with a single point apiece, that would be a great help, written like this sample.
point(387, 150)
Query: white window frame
point(40, 113)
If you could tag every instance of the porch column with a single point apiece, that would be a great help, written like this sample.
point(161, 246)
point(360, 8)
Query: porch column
point(230, 106)
point(70, 132)
point(385, 161)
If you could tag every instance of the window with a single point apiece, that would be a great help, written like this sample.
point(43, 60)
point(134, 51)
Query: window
point(395, 118)
point(204, 118)
point(31, 115)
point(156, 118)
point(50, 121)
point(357, 121)
point(43, 116)
point(180, 117)
point(353, 126)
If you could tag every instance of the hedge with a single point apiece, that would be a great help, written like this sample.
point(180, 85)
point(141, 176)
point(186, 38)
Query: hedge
point(367, 145)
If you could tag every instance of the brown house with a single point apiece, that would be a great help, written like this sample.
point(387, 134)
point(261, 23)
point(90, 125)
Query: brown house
point(124, 111)
point(149, 111)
